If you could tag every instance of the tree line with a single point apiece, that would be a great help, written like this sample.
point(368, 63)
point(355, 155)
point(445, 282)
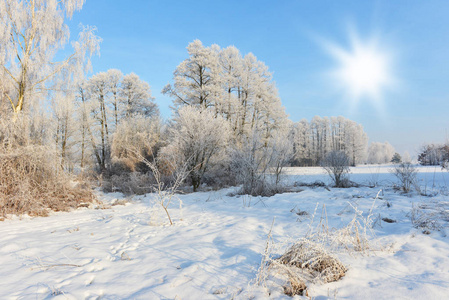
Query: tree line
point(314, 139)
point(228, 125)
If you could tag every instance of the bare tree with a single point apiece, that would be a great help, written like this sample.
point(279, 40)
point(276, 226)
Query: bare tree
point(336, 164)
point(406, 173)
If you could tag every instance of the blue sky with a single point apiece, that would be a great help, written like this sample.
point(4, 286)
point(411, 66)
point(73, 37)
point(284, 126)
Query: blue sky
point(149, 38)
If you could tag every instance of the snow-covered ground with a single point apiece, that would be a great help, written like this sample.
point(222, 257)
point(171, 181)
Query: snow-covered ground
point(214, 248)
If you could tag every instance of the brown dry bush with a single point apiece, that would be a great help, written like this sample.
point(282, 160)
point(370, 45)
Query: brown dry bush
point(30, 183)
point(311, 259)
point(31, 178)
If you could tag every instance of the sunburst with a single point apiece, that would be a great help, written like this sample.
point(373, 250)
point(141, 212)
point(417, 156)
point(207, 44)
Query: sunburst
point(363, 70)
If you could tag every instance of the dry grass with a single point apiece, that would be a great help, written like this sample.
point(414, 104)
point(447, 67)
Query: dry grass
point(304, 263)
point(295, 286)
point(312, 257)
point(430, 216)
point(353, 237)
point(31, 182)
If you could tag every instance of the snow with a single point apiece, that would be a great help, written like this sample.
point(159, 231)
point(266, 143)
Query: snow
point(214, 248)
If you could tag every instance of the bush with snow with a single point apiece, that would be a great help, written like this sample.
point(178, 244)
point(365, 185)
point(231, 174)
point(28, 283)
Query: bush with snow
point(406, 174)
point(199, 138)
point(31, 181)
point(336, 164)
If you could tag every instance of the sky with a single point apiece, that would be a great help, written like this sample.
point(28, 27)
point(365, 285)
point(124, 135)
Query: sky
point(309, 46)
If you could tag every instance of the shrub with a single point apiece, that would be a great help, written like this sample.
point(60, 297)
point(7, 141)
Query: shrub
point(336, 164)
point(32, 183)
point(165, 190)
point(31, 180)
point(257, 163)
point(199, 138)
point(129, 183)
point(139, 134)
point(406, 173)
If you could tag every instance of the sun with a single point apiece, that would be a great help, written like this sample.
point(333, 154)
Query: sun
point(363, 71)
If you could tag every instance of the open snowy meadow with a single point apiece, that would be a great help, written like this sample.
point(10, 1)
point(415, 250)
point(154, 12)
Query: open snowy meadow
point(218, 246)
point(206, 153)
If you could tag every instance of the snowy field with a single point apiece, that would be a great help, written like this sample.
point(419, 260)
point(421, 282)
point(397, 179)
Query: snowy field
point(215, 247)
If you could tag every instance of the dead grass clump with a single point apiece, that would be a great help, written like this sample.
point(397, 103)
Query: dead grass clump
point(295, 286)
point(356, 236)
point(32, 182)
point(353, 237)
point(433, 215)
point(313, 258)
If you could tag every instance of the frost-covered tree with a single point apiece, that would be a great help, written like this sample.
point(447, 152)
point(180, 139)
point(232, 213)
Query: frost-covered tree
point(433, 154)
point(136, 97)
point(260, 107)
point(338, 133)
point(301, 143)
point(100, 114)
point(258, 163)
point(31, 35)
point(64, 128)
point(33, 80)
point(114, 78)
point(356, 142)
point(380, 153)
point(312, 141)
point(281, 152)
point(320, 129)
point(406, 157)
point(230, 72)
point(85, 136)
point(197, 137)
point(195, 79)
point(240, 89)
point(134, 139)
point(105, 100)
point(249, 164)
